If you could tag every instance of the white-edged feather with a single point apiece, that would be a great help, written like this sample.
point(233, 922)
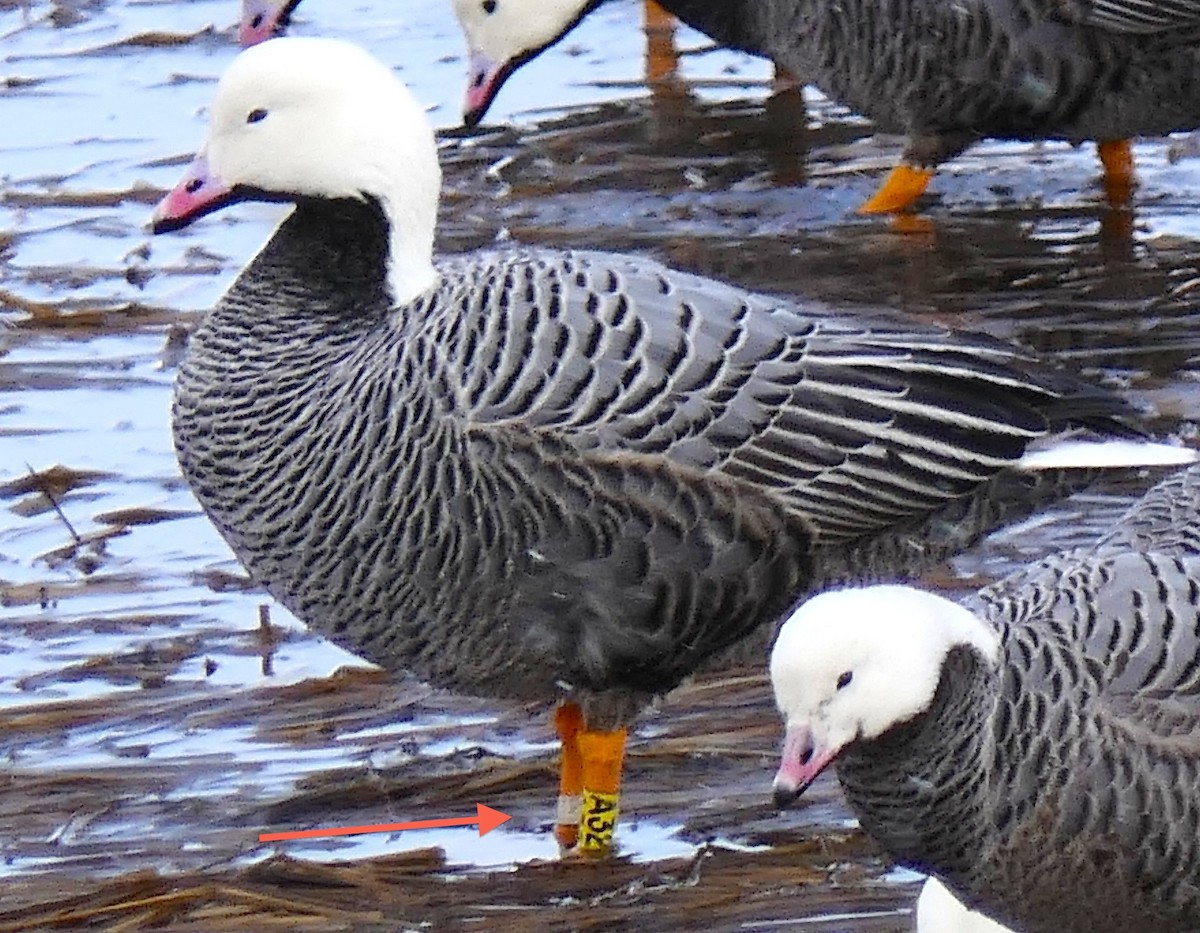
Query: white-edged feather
point(939, 911)
point(1110, 454)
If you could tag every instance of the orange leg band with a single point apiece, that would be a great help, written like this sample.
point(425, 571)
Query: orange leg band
point(603, 755)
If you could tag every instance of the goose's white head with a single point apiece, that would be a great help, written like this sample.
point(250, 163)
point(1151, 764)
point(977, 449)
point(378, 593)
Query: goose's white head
point(851, 664)
point(264, 19)
point(502, 35)
point(318, 118)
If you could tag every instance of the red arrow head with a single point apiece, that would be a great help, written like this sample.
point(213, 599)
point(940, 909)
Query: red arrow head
point(489, 819)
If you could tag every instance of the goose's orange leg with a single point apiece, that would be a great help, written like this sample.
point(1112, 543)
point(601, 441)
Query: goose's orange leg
point(904, 184)
point(1116, 155)
point(662, 58)
point(603, 756)
point(568, 722)
point(783, 79)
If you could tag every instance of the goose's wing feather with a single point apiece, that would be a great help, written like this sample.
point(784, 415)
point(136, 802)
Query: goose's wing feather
point(854, 423)
point(1148, 17)
point(1124, 614)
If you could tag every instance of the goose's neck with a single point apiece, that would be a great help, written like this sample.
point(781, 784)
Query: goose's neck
point(326, 267)
point(918, 778)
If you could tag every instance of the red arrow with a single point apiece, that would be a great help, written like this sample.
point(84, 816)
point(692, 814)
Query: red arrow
point(487, 818)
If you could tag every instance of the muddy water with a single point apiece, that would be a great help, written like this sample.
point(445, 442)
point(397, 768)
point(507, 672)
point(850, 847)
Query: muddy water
point(154, 716)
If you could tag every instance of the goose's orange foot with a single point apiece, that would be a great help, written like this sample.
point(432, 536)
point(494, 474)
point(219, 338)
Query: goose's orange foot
point(1116, 155)
point(904, 184)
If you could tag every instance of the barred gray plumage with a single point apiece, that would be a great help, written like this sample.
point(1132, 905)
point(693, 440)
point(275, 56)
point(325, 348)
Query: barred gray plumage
point(1056, 785)
point(583, 468)
point(578, 467)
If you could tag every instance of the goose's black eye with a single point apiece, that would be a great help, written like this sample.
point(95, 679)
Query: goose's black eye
point(844, 680)
point(256, 20)
point(255, 115)
point(489, 6)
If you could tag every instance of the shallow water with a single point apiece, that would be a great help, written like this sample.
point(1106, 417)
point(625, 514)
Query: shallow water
point(147, 719)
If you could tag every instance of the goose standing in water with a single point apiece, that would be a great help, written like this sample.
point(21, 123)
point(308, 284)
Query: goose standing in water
point(1039, 749)
point(567, 477)
point(943, 74)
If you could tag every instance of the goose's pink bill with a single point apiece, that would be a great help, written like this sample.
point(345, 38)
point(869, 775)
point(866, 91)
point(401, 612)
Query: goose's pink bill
point(484, 79)
point(260, 21)
point(198, 192)
point(802, 763)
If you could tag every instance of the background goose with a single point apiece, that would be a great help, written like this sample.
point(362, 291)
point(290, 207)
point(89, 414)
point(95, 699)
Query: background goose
point(1037, 751)
point(264, 19)
point(943, 74)
point(554, 476)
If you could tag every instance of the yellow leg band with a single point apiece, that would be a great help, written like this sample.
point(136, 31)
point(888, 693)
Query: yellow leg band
point(598, 823)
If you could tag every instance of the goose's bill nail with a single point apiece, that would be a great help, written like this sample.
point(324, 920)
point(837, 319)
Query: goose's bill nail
point(802, 761)
point(484, 80)
point(198, 193)
point(260, 21)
